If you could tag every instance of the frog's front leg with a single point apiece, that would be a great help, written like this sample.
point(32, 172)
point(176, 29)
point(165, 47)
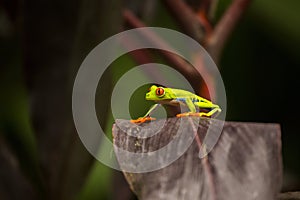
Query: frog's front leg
point(146, 117)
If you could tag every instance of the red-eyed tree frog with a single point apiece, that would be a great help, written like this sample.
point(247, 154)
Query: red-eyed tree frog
point(176, 97)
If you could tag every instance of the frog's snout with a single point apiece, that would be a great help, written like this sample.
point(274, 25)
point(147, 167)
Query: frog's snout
point(147, 95)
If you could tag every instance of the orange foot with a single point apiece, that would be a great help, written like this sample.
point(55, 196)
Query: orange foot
point(190, 114)
point(142, 120)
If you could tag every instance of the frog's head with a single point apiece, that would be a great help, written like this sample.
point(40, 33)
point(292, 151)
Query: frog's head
point(159, 93)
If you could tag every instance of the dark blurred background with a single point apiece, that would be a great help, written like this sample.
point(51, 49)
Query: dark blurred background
point(42, 44)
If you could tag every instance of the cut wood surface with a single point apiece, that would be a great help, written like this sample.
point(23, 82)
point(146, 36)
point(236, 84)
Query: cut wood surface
point(244, 164)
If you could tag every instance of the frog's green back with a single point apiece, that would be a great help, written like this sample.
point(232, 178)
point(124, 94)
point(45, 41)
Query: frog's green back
point(186, 94)
point(182, 93)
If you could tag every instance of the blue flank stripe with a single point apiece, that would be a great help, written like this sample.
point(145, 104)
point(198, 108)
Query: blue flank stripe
point(195, 100)
point(183, 100)
point(180, 99)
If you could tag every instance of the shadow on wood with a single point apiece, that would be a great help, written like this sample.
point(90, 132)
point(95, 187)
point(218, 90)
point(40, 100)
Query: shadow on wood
point(289, 196)
point(244, 164)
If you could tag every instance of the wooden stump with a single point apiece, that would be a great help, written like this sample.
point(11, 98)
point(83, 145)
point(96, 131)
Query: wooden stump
point(244, 164)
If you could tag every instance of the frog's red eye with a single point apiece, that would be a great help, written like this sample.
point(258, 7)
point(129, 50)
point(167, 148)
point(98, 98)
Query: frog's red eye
point(160, 92)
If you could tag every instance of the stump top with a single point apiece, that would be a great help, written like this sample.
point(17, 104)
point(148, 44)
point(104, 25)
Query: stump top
point(245, 163)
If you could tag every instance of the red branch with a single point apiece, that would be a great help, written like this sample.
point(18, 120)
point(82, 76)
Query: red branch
point(143, 56)
point(196, 25)
point(186, 18)
point(176, 62)
point(203, 16)
point(215, 43)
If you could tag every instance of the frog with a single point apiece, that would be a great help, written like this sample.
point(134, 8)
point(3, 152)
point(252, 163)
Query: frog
point(177, 97)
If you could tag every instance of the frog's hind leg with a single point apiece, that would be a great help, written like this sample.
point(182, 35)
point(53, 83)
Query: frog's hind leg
point(210, 113)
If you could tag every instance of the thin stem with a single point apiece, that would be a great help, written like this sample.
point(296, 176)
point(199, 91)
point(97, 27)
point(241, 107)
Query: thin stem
point(204, 161)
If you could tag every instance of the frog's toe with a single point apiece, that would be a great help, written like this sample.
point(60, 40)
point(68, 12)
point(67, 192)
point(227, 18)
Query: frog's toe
point(135, 121)
point(191, 114)
point(142, 120)
point(145, 119)
point(204, 114)
point(183, 114)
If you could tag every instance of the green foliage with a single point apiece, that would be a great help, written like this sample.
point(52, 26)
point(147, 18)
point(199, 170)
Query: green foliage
point(98, 183)
point(15, 125)
point(260, 68)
